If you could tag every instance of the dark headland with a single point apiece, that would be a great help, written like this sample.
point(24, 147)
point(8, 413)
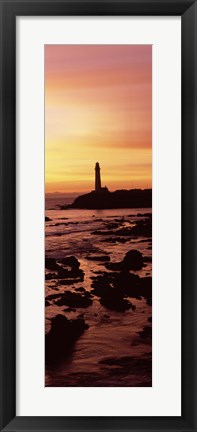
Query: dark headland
point(102, 198)
point(134, 198)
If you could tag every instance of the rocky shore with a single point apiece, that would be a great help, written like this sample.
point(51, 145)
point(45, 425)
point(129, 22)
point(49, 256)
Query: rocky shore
point(118, 286)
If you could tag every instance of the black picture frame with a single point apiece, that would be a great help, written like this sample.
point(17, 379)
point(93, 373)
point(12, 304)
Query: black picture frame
point(10, 9)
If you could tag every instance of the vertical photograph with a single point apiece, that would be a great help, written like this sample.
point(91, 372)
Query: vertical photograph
point(98, 215)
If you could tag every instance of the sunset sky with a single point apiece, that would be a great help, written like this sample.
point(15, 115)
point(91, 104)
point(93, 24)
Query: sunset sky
point(98, 107)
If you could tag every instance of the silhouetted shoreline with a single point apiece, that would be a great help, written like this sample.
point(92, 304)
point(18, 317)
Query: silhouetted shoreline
point(134, 198)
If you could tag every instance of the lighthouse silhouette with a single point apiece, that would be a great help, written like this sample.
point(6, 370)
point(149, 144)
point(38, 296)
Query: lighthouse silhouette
point(98, 187)
point(97, 178)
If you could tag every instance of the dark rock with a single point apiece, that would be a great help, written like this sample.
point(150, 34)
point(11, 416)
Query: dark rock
point(101, 286)
point(74, 300)
point(62, 223)
point(98, 258)
point(123, 283)
point(110, 297)
point(70, 274)
point(80, 289)
point(146, 332)
point(146, 258)
point(47, 303)
point(112, 225)
point(51, 264)
point(71, 281)
point(125, 231)
point(53, 296)
point(47, 219)
point(146, 287)
point(50, 276)
point(70, 261)
point(150, 319)
point(134, 286)
point(62, 336)
point(116, 303)
point(122, 240)
point(88, 294)
point(115, 240)
point(104, 233)
point(112, 287)
point(143, 228)
point(133, 260)
point(128, 284)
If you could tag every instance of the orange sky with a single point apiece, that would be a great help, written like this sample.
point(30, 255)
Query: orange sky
point(98, 107)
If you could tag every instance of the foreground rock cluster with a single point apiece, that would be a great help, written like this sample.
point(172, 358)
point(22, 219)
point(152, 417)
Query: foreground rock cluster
point(66, 269)
point(114, 287)
point(62, 336)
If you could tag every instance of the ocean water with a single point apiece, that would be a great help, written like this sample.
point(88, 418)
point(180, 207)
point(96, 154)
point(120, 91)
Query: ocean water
point(113, 351)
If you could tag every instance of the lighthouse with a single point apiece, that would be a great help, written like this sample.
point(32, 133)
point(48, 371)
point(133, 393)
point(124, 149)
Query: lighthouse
point(98, 187)
point(97, 178)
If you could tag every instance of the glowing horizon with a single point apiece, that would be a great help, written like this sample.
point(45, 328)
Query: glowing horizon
point(98, 107)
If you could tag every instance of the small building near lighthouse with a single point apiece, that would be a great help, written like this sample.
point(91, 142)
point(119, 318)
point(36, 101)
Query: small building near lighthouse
point(98, 187)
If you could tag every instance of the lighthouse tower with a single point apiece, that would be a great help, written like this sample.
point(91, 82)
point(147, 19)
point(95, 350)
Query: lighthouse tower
point(97, 178)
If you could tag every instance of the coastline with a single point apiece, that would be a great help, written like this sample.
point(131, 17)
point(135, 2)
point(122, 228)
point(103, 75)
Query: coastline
point(120, 199)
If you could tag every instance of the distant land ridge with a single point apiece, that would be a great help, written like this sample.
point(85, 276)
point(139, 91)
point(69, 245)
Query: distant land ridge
point(133, 198)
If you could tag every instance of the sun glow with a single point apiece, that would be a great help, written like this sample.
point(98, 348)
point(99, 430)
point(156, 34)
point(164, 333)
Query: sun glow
point(98, 106)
